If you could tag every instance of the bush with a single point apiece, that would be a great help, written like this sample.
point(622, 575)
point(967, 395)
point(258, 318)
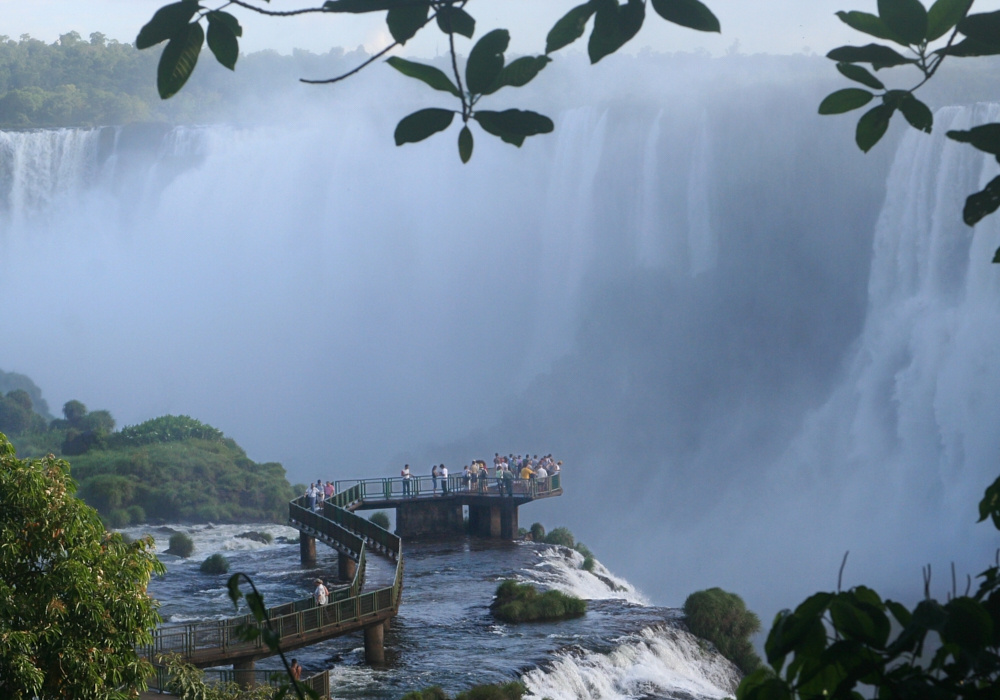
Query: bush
point(537, 532)
point(215, 564)
point(262, 537)
point(521, 602)
point(181, 545)
point(433, 692)
point(723, 619)
point(561, 536)
point(588, 556)
point(380, 518)
point(136, 514)
point(497, 691)
point(119, 518)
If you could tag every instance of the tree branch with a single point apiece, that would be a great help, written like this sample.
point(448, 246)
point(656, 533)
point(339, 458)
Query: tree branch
point(275, 13)
point(351, 72)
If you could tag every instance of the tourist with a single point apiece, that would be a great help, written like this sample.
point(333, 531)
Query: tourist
point(329, 489)
point(526, 471)
point(483, 475)
point(434, 477)
point(542, 477)
point(443, 472)
point(406, 479)
point(311, 494)
point(508, 481)
point(296, 670)
point(466, 477)
point(321, 595)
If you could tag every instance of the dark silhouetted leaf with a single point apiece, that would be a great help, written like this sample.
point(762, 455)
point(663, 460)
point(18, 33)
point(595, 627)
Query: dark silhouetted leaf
point(869, 24)
point(518, 72)
point(979, 206)
point(878, 55)
point(943, 15)
point(421, 71)
point(905, 18)
point(852, 621)
point(513, 125)
point(570, 27)
point(419, 125)
point(899, 612)
point(687, 13)
point(168, 21)
point(222, 38)
point(872, 127)
point(969, 624)
point(917, 113)
point(982, 27)
point(465, 144)
point(456, 20)
point(614, 25)
point(486, 61)
point(969, 48)
point(178, 60)
point(985, 138)
point(362, 6)
point(860, 75)
point(845, 100)
point(990, 505)
point(405, 21)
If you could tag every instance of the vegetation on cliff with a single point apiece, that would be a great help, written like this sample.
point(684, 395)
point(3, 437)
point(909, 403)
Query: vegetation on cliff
point(512, 690)
point(521, 602)
point(723, 619)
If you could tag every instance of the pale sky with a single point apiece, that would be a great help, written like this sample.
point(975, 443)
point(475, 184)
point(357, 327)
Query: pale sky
point(773, 26)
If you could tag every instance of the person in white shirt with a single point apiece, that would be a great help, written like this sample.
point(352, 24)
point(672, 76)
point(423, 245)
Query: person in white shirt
point(321, 595)
point(542, 477)
point(443, 473)
point(406, 479)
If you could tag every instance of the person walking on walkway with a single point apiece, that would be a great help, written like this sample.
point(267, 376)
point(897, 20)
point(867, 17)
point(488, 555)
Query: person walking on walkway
point(321, 595)
point(443, 472)
point(406, 480)
point(311, 494)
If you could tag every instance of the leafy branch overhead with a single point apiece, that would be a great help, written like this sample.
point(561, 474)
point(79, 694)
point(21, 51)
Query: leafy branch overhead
point(915, 28)
point(486, 70)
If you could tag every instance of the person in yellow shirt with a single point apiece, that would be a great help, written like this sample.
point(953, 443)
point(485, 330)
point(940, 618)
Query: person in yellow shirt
point(527, 472)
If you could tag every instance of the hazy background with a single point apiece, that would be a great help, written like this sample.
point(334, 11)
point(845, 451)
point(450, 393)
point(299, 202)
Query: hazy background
point(753, 346)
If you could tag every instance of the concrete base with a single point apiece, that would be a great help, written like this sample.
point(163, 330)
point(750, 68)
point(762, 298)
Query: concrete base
point(496, 520)
point(375, 644)
point(346, 567)
point(429, 518)
point(248, 678)
point(307, 550)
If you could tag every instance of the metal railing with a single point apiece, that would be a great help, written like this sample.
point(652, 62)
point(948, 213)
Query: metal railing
point(320, 682)
point(350, 492)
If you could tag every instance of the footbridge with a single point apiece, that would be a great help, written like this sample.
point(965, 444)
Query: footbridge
point(423, 508)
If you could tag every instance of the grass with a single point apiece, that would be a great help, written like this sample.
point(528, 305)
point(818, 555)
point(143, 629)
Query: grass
point(723, 619)
point(380, 518)
point(215, 564)
point(512, 690)
point(181, 545)
point(521, 602)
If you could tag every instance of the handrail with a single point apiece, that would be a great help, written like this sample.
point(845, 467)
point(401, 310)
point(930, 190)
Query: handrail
point(352, 491)
point(320, 682)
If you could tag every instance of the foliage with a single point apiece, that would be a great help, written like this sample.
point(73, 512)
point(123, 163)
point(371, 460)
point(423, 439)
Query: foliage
point(487, 71)
point(181, 545)
point(380, 518)
point(723, 619)
point(537, 532)
point(215, 564)
point(433, 692)
point(255, 536)
point(16, 414)
point(841, 641)
point(73, 602)
point(521, 602)
point(11, 381)
point(512, 690)
point(188, 683)
point(166, 429)
point(560, 536)
point(588, 556)
point(907, 23)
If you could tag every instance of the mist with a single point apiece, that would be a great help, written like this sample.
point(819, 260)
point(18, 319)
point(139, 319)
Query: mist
point(752, 346)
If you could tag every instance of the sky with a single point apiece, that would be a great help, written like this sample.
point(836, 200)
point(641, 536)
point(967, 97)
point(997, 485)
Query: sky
point(774, 26)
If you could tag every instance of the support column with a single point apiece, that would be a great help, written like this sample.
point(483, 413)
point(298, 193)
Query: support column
point(385, 624)
point(495, 522)
point(346, 567)
point(244, 673)
point(307, 550)
point(508, 521)
point(442, 516)
point(374, 645)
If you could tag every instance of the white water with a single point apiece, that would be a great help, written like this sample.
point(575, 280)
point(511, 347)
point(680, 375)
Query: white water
point(562, 569)
point(657, 662)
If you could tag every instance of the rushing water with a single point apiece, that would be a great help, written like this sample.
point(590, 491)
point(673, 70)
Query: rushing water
point(444, 634)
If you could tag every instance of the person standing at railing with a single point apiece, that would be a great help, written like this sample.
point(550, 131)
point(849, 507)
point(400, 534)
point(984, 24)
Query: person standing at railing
point(543, 478)
point(322, 594)
point(312, 494)
point(482, 479)
point(508, 482)
point(443, 471)
point(328, 489)
point(296, 670)
point(406, 480)
point(466, 477)
point(434, 478)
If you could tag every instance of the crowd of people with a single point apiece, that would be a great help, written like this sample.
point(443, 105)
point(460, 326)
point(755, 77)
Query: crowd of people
point(476, 476)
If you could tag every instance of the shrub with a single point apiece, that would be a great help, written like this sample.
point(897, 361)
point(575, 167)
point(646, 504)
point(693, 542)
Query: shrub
point(723, 619)
point(136, 514)
point(119, 518)
point(255, 536)
point(433, 692)
point(497, 691)
point(537, 532)
point(521, 602)
point(561, 536)
point(380, 518)
point(181, 545)
point(588, 556)
point(215, 564)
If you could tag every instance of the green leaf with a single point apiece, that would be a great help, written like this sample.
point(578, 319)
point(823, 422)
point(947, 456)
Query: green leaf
point(570, 27)
point(977, 207)
point(990, 505)
point(456, 20)
point(233, 586)
point(969, 625)
point(256, 603)
point(870, 24)
point(899, 612)
point(222, 38)
point(405, 21)
point(878, 55)
point(872, 127)
point(852, 621)
point(917, 113)
point(421, 71)
point(513, 125)
point(486, 61)
point(984, 138)
point(969, 48)
point(519, 72)
point(167, 22)
point(983, 27)
point(687, 13)
point(845, 100)
point(943, 15)
point(421, 124)
point(178, 60)
point(465, 144)
point(860, 75)
point(614, 25)
point(905, 18)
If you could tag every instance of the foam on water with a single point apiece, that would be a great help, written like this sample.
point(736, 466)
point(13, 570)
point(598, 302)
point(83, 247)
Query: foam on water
point(660, 661)
point(562, 569)
point(210, 539)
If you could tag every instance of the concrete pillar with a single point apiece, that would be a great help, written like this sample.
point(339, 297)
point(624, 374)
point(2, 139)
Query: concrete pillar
point(430, 517)
point(508, 521)
point(374, 644)
point(385, 624)
point(307, 550)
point(495, 521)
point(346, 567)
point(244, 673)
